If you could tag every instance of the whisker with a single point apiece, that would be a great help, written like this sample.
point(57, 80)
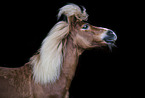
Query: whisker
point(114, 45)
point(110, 47)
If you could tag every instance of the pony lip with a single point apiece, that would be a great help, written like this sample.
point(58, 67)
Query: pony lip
point(109, 41)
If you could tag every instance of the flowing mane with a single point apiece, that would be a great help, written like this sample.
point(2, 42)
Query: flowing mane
point(47, 63)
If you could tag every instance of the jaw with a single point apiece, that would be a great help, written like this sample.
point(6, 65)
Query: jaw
point(104, 43)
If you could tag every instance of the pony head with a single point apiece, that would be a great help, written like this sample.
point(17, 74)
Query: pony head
point(84, 34)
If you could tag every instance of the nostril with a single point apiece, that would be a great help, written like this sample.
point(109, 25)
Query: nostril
point(110, 32)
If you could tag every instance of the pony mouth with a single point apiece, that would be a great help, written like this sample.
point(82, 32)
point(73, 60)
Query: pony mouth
point(110, 43)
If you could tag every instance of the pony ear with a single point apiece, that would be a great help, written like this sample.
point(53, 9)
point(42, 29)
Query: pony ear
point(71, 21)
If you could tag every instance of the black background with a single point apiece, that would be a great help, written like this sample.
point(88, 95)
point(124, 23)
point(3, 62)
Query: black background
point(100, 73)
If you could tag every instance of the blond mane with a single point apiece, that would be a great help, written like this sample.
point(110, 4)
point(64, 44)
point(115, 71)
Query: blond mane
point(48, 62)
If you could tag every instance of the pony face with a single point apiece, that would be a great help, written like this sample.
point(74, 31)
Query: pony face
point(83, 34)
point(89, 36)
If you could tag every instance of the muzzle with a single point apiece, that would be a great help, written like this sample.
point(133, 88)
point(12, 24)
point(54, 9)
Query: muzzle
point(110, 37)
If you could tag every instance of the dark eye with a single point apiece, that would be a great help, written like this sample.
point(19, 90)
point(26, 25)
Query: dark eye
point(85, 26)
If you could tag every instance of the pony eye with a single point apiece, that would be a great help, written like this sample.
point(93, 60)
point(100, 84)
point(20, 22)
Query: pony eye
point(85, 26)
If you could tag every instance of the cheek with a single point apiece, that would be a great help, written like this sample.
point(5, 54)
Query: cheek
point(96, 38)
point(84, 42)
point(86, 35)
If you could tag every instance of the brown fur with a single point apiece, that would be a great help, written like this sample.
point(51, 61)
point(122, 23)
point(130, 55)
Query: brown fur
point(19, 83)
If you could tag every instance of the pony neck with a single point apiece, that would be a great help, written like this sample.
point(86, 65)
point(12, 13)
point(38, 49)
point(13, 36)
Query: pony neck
point(71, 57)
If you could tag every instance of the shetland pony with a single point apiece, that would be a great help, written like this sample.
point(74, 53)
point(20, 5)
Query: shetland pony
point(50, 71)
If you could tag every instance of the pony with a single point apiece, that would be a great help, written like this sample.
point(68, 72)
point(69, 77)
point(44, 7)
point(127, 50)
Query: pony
point(49, 73)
